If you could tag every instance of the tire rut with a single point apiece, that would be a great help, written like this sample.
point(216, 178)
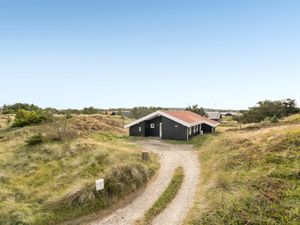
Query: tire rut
point(171, 156)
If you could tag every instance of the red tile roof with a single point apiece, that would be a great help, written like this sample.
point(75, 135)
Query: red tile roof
point(189, 117)
point(186, 118)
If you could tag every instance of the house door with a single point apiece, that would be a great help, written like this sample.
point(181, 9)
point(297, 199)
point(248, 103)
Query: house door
point(160, 130)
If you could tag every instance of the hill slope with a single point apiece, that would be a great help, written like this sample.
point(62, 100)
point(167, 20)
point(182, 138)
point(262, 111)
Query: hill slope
point(53, 181)
point(250, 177)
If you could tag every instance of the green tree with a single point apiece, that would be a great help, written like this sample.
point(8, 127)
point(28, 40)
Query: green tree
point(196, 109)
point(268, 109)
point(138, 112)
point(90, 110)
point(12, 109)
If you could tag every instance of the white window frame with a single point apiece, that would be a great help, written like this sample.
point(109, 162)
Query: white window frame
point(197, 128)
point(152, 125)
point(194, 129)
point(140, 129)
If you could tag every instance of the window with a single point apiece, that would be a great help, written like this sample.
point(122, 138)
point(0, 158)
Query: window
point(194, 129)
point(197, 128)
point(152, 125)
point(190, 131)
point(140, 129)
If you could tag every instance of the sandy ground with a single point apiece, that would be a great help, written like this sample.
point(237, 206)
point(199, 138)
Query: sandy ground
point(171, 156)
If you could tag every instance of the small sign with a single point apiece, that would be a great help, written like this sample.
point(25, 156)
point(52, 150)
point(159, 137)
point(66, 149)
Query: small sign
point(99, 184)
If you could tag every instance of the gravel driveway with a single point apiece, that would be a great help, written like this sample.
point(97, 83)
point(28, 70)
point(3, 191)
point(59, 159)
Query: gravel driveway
point(171, 156)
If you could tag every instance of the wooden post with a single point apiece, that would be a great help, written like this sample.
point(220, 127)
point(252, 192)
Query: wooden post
point(145, 156)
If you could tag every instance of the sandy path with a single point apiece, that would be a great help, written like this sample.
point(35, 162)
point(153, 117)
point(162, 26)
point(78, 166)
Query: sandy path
point(171, 156)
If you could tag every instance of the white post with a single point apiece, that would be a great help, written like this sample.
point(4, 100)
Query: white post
point(160, 130)
point(187, 134)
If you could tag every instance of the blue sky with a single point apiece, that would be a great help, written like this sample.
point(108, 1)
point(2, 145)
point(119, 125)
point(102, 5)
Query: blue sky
point(215, 53)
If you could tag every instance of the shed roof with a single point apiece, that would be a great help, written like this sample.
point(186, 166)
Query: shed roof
point(214, 115)
point(185, 118)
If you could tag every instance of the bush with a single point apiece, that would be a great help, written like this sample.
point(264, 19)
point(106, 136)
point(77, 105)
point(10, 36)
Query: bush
point(35, 140)
point(268, 109)
point(68, 116)
point(61, 130)
point(139, 112)
point(12, 109)
point(196, 109)
point(25, 117)
point(274, 119)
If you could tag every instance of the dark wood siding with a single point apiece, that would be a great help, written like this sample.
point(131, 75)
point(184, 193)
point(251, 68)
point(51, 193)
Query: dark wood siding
point(154, 132)
point(173, 130)
point(134, 130)
point(170, 129)
point(207, 129)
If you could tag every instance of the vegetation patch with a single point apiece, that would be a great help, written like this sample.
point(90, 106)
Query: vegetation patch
point(197, 141)
point(268, 111)
point(35, 139)
point(166, 197)
point(249, 178)
point(48, 176)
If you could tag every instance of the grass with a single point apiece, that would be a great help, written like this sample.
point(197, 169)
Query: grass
point(166, 197)
point(249, 177)
point(197, 141)
point(293, 118)
point(54, 181)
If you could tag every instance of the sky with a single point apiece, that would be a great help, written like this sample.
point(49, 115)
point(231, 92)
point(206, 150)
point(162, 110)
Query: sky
point(221, 54)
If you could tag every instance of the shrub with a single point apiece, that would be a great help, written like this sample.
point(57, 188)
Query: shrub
point(12, 109)
point(274, 119)
point(138, 112)
point(68, 116)
point(265, 109)
point(26, 117)
point(196, 109)
point(35, 140)
point(61, 130)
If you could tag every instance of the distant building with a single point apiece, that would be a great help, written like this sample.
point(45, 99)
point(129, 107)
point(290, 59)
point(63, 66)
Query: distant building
point(228, 113)
point(216, 116)
point(174, 125)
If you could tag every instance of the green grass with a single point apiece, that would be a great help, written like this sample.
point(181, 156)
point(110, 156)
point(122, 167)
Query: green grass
point(166, 197)
point(249, 177)
point(197, 141)
point(54, 181)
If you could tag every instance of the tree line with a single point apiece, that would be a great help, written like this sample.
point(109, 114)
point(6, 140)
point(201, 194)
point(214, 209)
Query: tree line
point(27, 114)
point(268, 110)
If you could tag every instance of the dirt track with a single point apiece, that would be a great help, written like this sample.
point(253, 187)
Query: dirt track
point(171, 156)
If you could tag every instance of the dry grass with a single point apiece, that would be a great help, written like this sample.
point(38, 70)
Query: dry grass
point(54, 181)
point(5, 121)
point(250, 177)
point(293, 118)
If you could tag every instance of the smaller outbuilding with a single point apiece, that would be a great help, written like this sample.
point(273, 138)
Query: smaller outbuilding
point(228, 113)
point(173, 125)
point(216, 116)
